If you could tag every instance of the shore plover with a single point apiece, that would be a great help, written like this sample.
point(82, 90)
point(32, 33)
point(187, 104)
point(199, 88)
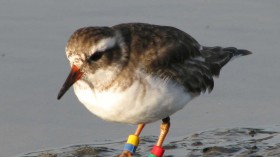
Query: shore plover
point(138, 73)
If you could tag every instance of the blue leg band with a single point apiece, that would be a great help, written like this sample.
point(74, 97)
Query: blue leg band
point(129, 147)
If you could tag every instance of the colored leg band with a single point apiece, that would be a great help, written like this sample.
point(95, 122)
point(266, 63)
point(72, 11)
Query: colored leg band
point(129, 147)
point(157, 151)
point(131, 144)
point(133, 139)
point(152, 155)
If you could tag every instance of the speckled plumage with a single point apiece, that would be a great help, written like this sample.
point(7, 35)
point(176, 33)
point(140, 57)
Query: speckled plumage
point(130, 58)
point(138, 73)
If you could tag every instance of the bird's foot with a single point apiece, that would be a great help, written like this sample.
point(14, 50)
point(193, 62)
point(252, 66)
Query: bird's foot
point(125, 154)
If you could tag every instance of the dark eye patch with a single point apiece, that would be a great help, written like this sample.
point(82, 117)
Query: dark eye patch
point(96, 56)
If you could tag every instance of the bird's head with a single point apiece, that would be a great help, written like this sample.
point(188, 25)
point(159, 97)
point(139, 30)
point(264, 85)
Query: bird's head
point(96, 56)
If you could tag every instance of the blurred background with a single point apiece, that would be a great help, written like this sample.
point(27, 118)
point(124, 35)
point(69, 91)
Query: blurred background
point(33, 67)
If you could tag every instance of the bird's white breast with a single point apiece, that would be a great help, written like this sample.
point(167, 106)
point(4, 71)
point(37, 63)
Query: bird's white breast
point(140, 103)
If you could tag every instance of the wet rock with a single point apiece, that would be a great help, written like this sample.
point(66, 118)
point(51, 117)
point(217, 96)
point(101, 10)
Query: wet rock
point(86, 150)
point(197, 144)
point(47, 155)
point(219, 142)
point(252, 133)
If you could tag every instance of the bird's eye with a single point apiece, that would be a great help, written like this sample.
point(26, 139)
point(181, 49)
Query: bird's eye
point(96, 56)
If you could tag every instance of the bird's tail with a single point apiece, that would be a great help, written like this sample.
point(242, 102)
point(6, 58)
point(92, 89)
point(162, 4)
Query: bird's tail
point(218, 57)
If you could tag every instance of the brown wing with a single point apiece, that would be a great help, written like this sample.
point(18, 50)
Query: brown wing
point(195, 76)
point(167, 52)
point(170, 53)
point(196, 73)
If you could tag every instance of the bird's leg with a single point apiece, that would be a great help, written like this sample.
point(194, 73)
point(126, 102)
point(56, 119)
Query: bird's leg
point(164, 128)
point(132, 142)
point(139, 129)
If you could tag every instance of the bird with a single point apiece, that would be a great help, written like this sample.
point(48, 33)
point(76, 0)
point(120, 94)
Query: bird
point(139, 73)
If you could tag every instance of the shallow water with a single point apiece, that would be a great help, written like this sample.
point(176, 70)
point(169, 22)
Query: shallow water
point(33, 67)
point(235, 142)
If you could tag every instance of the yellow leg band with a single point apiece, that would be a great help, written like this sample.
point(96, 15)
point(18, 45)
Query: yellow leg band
point(133, 139)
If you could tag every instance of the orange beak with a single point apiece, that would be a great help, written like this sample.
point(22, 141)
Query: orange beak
point(74, 75)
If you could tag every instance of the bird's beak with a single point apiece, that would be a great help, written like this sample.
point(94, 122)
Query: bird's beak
point(74, 75)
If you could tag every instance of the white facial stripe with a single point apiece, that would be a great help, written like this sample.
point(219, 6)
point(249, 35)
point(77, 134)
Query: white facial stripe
point(121, 41)
point(77, 60)
point(73, 58)
point(104, 44)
